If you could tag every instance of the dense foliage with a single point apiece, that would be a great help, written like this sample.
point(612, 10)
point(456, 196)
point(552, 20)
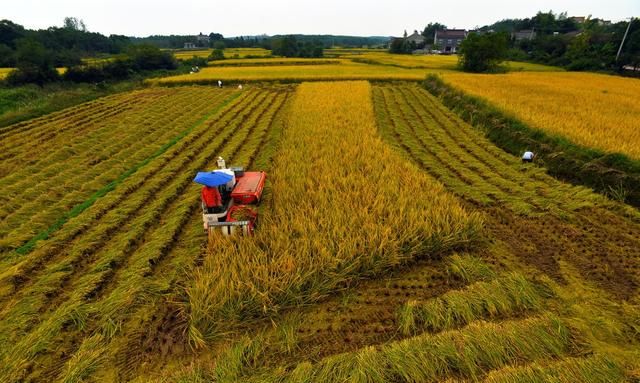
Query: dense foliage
point(64, 46)
point(289, 46)
point(138, 58)
point(36, 54)
point(483, 52)
point(563, 41)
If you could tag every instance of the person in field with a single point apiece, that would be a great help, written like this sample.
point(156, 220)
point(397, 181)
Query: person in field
point(528, 156)
point(219, 84)
point(211, 199)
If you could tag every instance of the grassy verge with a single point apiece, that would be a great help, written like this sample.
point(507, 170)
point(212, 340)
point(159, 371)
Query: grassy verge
point(612, 174)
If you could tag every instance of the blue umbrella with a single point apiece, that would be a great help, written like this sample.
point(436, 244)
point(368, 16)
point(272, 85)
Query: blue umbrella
point(212, 178)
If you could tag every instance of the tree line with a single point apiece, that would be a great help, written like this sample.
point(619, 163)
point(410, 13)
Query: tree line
point(556, 39)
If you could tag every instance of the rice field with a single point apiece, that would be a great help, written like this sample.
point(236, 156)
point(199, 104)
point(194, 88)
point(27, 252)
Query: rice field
point(274, 61)
point(592, 110)
point(244, 278)
point(113, 262)
point(294, 73)
point(4, 72)
point(395, 242)
point(229, 53)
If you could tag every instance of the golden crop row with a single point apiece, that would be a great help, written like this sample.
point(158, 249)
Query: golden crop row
point(344, 206)
point(590, 109)
point(4, 72)
point(438, 63)
point(328, 72)
point(228, 53)
point(274, 61)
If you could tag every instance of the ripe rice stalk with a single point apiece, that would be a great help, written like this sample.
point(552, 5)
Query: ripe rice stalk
point(605, 118)
point(329, 221)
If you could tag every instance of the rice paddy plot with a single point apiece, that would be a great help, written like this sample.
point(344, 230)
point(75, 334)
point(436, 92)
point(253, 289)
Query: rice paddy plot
point(294, 73)
point(113, 260)
point(593, 110)
point(85, 148)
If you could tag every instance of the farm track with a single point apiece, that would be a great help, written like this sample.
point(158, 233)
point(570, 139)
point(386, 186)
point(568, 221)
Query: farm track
point(547, 221)
point(100, 282)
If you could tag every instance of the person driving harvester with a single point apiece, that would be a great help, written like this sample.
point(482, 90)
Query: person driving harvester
point(211, 200)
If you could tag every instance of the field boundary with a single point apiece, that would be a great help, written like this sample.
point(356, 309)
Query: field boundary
point(79, 208)
point(612, 174)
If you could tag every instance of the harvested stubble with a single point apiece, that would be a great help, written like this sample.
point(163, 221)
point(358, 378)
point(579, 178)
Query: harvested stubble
point(469, 353)
point(344, 206)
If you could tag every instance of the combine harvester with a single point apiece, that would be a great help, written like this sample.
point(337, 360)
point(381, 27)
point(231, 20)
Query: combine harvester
point(240, 192)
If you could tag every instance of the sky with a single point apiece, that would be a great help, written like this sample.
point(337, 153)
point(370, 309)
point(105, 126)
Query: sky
point(255, 17)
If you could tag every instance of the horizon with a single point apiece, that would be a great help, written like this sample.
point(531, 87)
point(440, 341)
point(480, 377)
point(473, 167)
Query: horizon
point(285, 17)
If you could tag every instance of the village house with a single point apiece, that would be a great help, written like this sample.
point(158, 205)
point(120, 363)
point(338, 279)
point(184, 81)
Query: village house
point(202, 39)
point(578, 19)
point(189, 45)
point(449, 40)
point(417, 39)
point(525, 34)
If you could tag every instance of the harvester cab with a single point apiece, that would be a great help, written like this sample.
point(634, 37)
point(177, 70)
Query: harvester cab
point(240, 193)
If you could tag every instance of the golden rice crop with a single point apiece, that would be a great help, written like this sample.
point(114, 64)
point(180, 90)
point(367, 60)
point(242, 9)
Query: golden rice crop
point(244, 52)
point(343, 71)
point(590, 109)
point(4, 72)
point(344, 205)
point(274, 61)
point(228, 53)
point(437, 63)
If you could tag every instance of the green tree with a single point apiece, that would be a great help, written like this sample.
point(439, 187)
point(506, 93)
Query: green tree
point(33, 64)
point(75, 24)
point(429, 31)
point(10, 33)
point(219, 45)
point(7, 59)
point(217, 54)
point(481, 53)
point(286, 46)
point(149, 57)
